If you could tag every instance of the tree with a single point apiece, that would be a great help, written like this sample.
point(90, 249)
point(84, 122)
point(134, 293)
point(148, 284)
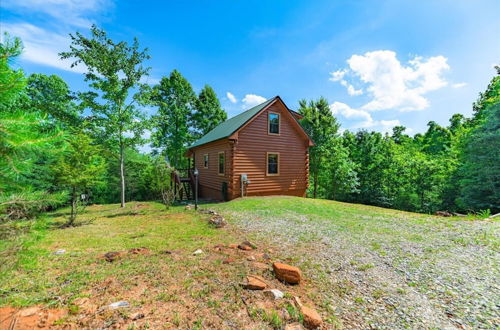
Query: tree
point(208, 113)
point(175, 100)
point(321, 127)
point(80, 168)
point(51, 96)
point(114, 73)
point(480, 171)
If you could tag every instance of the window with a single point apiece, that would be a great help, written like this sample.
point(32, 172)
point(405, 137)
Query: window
point(205, 161)
point(273, 163)
point(274, 123)
point(222, 163)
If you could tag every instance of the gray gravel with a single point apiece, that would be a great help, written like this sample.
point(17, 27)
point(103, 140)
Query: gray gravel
point(389, 270)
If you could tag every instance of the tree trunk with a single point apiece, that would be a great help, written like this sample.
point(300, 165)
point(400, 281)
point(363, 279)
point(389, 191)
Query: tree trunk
point(72, 217)
point(122, 174)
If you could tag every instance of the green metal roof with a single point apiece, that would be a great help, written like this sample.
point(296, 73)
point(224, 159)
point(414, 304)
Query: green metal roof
point(231, 125)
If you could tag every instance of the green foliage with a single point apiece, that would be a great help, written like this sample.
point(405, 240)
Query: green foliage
point(175, 100)
point(114, 72)
point(480, 170)
point(27, 205)
point(79, 168)
point(209, 113)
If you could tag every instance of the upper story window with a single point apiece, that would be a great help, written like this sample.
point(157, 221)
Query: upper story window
point(274, 123)
point(273, 163)
point(222, 163)
point(205, 161)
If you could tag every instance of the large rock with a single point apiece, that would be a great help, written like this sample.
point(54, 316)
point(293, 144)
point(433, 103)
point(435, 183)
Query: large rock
point(312, 319)
point(287, 273)
point(255, 282)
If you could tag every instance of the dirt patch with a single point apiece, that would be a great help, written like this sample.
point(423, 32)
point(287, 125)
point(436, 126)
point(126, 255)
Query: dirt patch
point(30, 318)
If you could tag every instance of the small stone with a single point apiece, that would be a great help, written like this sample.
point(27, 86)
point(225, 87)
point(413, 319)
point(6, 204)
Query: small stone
point(217, 221)
point(287, 273)
point(233, 246)
point(251, 258)
point(255, 282)
point(113, 256)
point(199, 251)
point(228, 261)
point(312, 319)
point(59, 252)
point(189, 207)
point(274, 294)
point(294, 326)
point(245, 247)
point(137, 316)
point(119, 304)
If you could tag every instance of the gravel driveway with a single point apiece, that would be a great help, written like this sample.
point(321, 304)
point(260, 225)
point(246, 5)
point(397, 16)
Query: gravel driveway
point(381, 268)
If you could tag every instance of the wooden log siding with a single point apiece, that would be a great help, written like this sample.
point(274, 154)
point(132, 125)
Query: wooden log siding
point(250, 156)
point(210, 182)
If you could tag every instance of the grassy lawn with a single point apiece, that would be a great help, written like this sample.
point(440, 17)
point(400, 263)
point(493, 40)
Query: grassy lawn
point(171, 289)
point(364, 266)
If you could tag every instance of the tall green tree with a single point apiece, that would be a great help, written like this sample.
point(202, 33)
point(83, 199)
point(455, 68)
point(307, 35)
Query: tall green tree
point(480, 170)
point(176, 101)
point(321, 127)
point(209, 112)
point(114, 73)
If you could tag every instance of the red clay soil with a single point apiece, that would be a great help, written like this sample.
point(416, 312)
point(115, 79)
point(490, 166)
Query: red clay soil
point(29, 318)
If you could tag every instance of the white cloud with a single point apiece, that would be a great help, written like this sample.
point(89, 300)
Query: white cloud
point(344, 110)
point(392, 85)
point(70, 12)
point(231, 97)
point(350, 88)
point(459, 85)
point(42, 46)
point(251, 100)
point(337, 75)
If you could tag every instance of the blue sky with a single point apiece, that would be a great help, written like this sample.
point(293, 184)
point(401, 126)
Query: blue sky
point(379, 63)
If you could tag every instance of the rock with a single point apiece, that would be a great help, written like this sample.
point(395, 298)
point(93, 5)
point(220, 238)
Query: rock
point(119, 304)
point(255, 282)
point(274, 294)
point(259, 265)
point(189, 207)
point(199, 251)
point(251, 258)
point(247, 246)
point(287, 273)
point(207, 211)
point(312, 319)
point(137, 316)
point(113, 256)
point(141, 250)
point(233, 246)
point(294, 326)
point(443, 214)
point(228, 261)
point(264, 256)
point(59, 252)
point(217, 221)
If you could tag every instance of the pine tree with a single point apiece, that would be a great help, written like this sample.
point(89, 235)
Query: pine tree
point(208, 113)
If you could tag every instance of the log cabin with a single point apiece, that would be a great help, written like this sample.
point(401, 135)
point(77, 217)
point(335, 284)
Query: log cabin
point(262, 151)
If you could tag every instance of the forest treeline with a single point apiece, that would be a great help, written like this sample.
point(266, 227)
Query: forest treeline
point(59, 146)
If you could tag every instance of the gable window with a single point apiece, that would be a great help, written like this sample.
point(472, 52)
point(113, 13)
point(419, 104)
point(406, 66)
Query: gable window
point(222, 163)
point(274, 123)
point(205, 161)
point(273, 163)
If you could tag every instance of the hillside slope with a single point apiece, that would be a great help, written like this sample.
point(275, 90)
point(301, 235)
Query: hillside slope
point(382, 267)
